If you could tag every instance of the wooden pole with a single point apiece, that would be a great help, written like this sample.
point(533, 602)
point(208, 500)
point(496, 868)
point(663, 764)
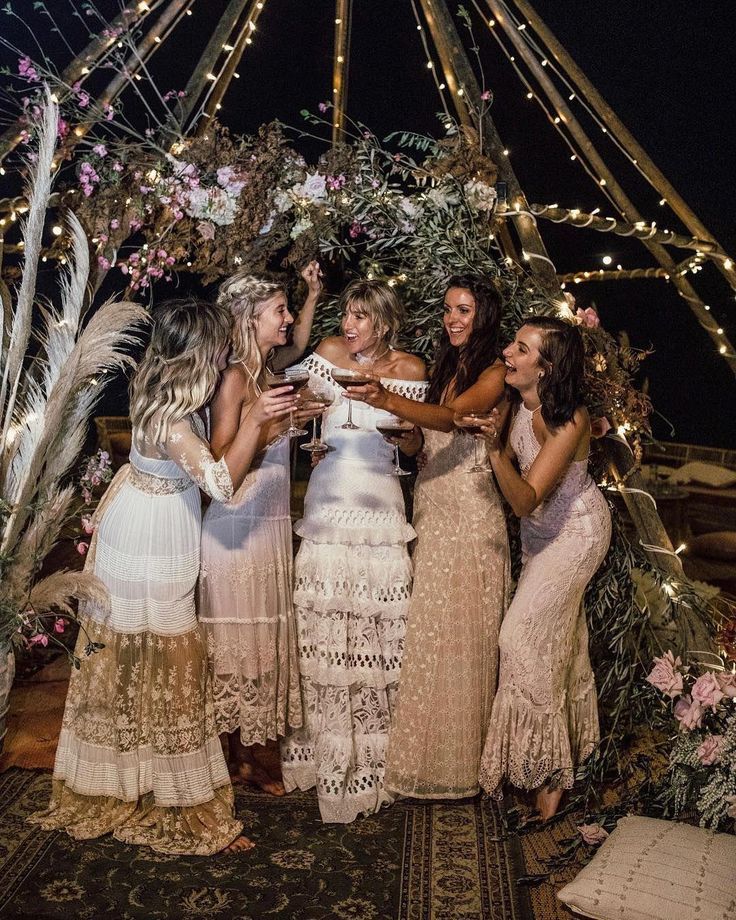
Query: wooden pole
point(202, 73)
point(465, 93)
point(230, 69)
point(83, 63)
point(640, 231)
point(624, 136)
point(606, 177)
point(340, 68)
point(600, 274)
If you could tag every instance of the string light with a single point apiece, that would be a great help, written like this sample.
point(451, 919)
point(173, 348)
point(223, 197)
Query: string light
point(57, 230)
point(606, 260)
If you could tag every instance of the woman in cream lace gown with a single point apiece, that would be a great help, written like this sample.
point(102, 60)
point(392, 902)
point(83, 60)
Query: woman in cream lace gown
point(352, 574)
point(461, 562)
point(545, 720)
point(245, 586)
point(138, 753)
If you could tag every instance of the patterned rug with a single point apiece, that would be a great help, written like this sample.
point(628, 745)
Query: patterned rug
point(410, 862)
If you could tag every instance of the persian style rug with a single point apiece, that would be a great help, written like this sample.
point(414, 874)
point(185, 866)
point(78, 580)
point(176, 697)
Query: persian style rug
point(410, 862)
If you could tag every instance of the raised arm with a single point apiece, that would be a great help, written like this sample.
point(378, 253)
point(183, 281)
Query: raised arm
point(551, 463)
point(485, 393)
point(288, 354)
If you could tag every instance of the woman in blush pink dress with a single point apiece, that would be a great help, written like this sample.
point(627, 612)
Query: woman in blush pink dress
point(544, 720)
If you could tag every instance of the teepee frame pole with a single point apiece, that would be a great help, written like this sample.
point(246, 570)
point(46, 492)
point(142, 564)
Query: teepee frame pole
point(614, 124)
point(465, 93)
point(606, 177)
point(341, 68)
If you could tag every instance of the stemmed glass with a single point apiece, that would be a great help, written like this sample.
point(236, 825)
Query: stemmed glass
point(320, 396)
point(394, 427)
point(470, 423)
point(296, 378)
point(348, 378)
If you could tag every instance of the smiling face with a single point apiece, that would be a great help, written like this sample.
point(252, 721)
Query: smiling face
point(359, 330)
point(522, 358)
point(459, 315)
point(272, 322)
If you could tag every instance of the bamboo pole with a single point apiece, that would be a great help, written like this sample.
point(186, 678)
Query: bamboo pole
point(341, 68)
point(614, 124)
point(616, 192)
point(202, 73)
point(640, 231)
point(624, 274)
point(230, 69)
point(84, 62)
point(465, 94)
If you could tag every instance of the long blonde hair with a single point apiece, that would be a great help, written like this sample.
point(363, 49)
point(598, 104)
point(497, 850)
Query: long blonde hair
point(178, 373)
point(244, 296)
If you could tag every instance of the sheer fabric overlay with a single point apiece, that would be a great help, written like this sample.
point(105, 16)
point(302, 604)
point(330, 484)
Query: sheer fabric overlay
point(545, 717)
point(245, 604)
point(353, 582)
point(138, 753)
point(461, 583)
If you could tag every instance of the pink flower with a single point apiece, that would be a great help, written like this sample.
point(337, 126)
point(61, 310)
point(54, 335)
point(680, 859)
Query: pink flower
point(117, 166)
point(103, 263)
point(109, 112)
point(62, 128)
point(592, 834)
point(27, 70)
point(39, 639)
point(600, 427)
point(688, 713)
point(323, 106)
point(710, 750)
point(82, 547)
point(588, 317)
point(485, 96)
point(87, 524)
point(727, 683)
point(100, 150)
point(355, 230)
point(206, 229)
point(83, 99)
point(706, 690)
point(114, 223)
point(665, 675)
point(59, 625)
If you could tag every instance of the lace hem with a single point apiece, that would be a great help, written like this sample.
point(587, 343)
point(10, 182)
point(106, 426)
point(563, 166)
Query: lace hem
point(341, 529)
point(202, 830)
point(251, 708)
point(529, 747)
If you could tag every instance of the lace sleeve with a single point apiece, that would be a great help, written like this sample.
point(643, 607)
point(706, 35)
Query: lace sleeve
point(187, 447)
point(411, 389)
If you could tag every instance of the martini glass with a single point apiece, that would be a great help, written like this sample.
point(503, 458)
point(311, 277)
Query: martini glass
point(470, 423)
point(296, 379)
point(394, 427)
point(347, 378)
point(317, 396)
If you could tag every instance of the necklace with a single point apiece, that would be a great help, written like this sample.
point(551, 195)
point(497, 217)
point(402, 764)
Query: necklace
point(371, 360)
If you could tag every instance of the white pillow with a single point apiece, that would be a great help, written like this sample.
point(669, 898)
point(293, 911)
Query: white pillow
point(708, 474)
point(657, 870)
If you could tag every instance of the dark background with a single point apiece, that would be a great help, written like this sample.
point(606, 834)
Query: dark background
point(667, 68)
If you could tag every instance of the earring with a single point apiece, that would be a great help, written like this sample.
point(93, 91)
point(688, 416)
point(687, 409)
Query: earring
point(541, 374)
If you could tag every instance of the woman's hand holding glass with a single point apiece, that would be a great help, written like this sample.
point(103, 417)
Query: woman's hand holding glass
point(272, 406)
point(491, 433)
point(315, 399)
point(373, 393)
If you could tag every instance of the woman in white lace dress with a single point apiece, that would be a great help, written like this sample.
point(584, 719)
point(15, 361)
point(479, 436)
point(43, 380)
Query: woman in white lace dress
point(245, 586)
point(352, 573)
point(461, 561)
point(138, 753)
point(545, 719)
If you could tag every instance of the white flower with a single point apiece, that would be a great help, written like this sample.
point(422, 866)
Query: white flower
point(268, 226)
point(212, 204)
point(442, 198)
point(282, 201)
point(409, 207)
point(314, 188)
point(480, 197)
point(304, 223)
point(230, 180)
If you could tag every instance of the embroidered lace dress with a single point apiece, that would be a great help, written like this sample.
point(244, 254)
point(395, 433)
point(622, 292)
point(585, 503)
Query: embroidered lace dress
point(245, 603)
point(138, 753)
point(545, 717)
point(461, 578)
point(352, 586)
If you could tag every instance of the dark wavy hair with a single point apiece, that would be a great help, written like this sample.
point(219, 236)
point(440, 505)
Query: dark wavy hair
point(562, 355)
point(467, 363)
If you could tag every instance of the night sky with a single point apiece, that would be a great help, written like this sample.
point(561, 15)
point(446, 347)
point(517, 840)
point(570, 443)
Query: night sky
point(667, 70)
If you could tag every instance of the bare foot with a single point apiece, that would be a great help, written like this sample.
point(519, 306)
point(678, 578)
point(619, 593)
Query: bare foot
point(254, 775)
point(238, 845)
point(548, 801)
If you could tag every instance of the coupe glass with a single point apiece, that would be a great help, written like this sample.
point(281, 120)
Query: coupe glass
point(470, 423)
point(393, 427)
point(296, 378)
point(324, 397)
point(347, 378)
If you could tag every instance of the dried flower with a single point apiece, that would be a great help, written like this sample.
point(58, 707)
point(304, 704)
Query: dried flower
point(592, 834)
point(706, 691)
point(710, 750)
point(665, 675)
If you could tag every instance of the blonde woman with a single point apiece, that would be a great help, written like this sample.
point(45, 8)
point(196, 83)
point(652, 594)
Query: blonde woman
point(352, 572)
point(245, 592)
point(138, 753)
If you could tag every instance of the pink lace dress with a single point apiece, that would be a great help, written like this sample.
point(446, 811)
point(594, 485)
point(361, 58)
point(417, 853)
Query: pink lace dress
point(544, 720)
